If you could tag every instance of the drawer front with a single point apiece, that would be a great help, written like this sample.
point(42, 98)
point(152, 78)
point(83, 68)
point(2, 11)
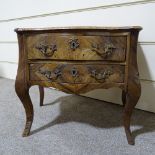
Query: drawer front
point(76, 47)
point(76, 73)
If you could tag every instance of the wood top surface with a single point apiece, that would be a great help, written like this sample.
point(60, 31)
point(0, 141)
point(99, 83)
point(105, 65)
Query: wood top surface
point(79, 28)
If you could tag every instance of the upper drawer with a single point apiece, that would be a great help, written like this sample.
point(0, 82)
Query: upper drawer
point(76, 47)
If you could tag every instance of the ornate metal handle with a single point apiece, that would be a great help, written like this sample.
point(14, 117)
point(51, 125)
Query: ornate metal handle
point(51, 75)
point(107, 50)
point(101, 75)
point(47, 50)
point(74, 43)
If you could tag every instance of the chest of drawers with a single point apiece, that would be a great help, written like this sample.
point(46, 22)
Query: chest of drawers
point(77, 60)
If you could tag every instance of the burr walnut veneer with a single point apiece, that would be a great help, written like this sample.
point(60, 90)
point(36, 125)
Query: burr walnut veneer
point(78, 60)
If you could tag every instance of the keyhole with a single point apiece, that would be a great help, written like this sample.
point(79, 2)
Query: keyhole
point(73, 45)
point(74, 72)
point(45, 49)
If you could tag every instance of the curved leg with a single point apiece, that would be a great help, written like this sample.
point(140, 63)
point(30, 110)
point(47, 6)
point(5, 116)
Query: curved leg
point(22, 91)
point(22, 87)
point(132, 97)
point(123, 97)
point(41, 90)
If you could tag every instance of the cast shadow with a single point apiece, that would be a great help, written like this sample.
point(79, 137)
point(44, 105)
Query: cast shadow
point(96, 113)
point(101, 114)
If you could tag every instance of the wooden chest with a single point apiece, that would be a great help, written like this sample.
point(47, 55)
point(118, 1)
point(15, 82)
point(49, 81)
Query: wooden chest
point(77, 60)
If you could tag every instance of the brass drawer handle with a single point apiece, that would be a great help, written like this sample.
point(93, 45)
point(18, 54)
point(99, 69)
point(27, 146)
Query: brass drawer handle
point(47, 50)
point(107, 50)
point(54, 74)
point(101, 75)
point(74, 43)
point(51, 75)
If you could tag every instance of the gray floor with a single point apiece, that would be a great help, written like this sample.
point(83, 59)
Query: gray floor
point(70, 125)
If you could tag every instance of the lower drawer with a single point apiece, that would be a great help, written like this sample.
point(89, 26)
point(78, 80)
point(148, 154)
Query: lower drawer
point(76, 73)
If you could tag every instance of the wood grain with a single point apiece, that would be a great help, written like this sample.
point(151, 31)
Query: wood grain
point(73, 60)
point(83, 73)
point(90, 47)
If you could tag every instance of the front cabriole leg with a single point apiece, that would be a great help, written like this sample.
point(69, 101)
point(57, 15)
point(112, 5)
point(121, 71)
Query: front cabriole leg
point(22, 87)
point(22, 91)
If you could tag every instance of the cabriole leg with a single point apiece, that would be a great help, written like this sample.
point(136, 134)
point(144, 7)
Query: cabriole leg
point(123, 97)
point(22, 91)
point(41, 91)
point(132, 97)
